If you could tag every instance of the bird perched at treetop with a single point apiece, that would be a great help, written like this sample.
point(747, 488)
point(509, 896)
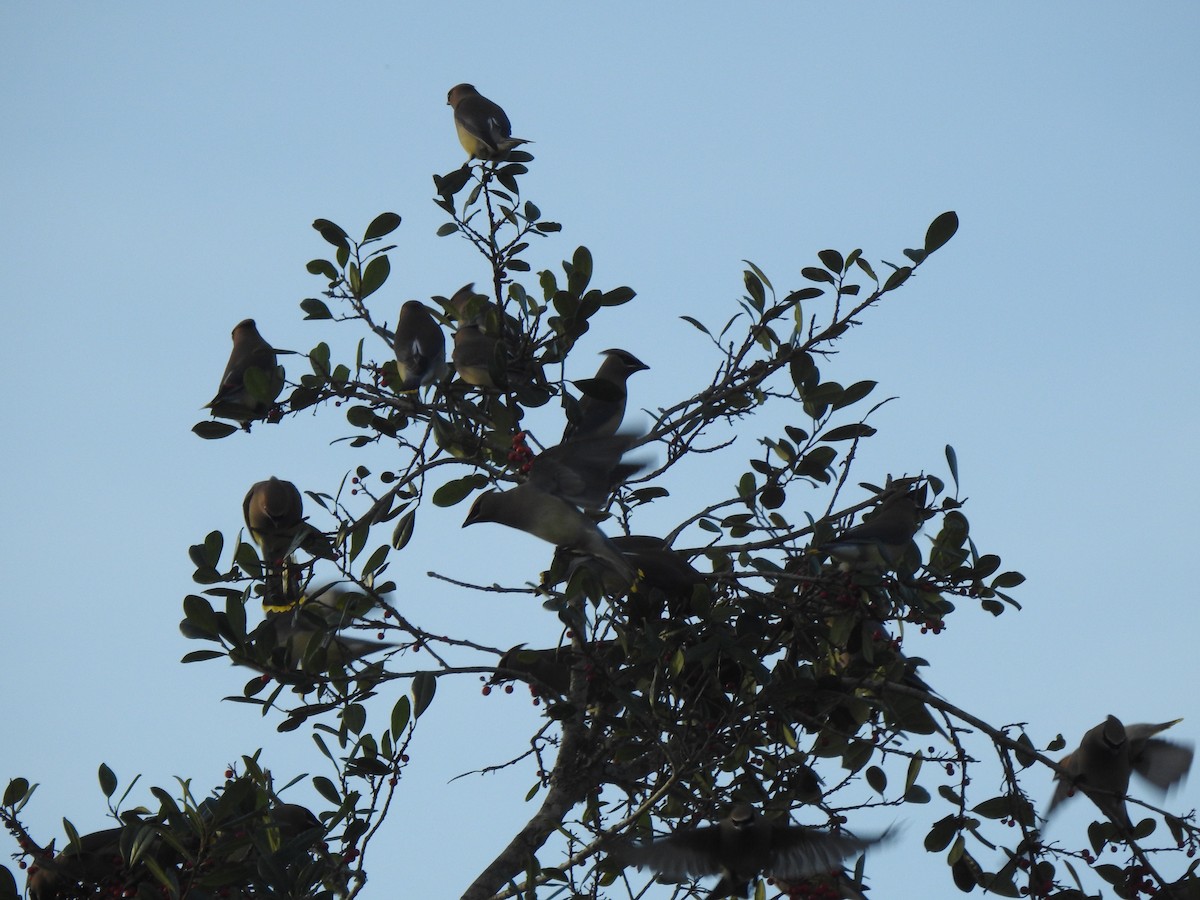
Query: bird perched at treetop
point(483, 128)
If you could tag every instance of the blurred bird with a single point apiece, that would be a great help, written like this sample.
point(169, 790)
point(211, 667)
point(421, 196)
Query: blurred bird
point(602, 406)
point(739, 848)
point(474, 356)
point(309, 638)
point(1101, 765)
point(235, 399)
point(879, 543)
point(274, 514)
point(561, 479)
point(483, 128)
point(420, 347)
point(470, 308)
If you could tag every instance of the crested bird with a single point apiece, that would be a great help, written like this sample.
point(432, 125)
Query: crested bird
point(880, 542)
point(563, 479)
point(482, 126)
point(245, 400)
point(274, 514)
point(420, 347)
point(602, 406)
point(1106, 756)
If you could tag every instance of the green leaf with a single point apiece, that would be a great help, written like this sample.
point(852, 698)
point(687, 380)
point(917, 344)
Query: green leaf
point(952, 462)
point(424, 685)
point(401, 713)
point(16, 791)
point(876, 779)
point(1008, 580)
point(315, 309)
point(854, 393)
point(941, 230)
point(108, 780)
point(995, 808)
point(374, 276)
point(384, 223)
point(693, 322)
point(941, 834)
point(579, 271)
point(812, 273)
point(453, 492)
point(1025, 754)
point(376, 560)
point(322, 267)
point(404, 530)
point(808, 293)
point(914, 769)
point(326, 789)
point(897, 278)
point(212, 431)
point(332, 233)
point(754, 287)
point(617, 296)
point(831, 260)
point(848, 432)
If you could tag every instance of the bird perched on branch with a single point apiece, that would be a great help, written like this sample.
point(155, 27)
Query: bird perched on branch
point(483, 128)
point(274, 514)
point(420, 347)
point(253, 378)
point(1102, 763)
point(602, 406)
point(563, 479)
point(739, 848)
point(880, 542)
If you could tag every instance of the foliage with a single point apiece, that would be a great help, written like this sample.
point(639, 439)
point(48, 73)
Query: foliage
point(775, 677)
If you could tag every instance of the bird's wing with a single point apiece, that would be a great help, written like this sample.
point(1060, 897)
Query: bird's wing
point(685, 854)
point(799, 852)
point(1163, 763)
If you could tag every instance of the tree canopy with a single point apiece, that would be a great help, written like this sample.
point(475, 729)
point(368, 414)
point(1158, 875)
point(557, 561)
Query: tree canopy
point(744, 647)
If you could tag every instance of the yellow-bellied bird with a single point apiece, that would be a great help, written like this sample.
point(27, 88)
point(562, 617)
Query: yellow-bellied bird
point(1102, 763)
point(274, 513)
point(235, 399)
point(602, 406)
point(420, 347)
point(562, 479)
point(474, 356)
point(739, 848)
point(483, 128)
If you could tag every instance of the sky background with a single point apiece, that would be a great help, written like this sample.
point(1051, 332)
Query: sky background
point(162, 166)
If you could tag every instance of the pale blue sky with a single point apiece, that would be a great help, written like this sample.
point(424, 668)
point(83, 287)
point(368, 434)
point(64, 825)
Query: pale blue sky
point(162, 165)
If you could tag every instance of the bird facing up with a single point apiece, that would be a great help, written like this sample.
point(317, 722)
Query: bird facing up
point(420, 347)
point(235, 399)
point(602, 406)
point(483, 128)
point(739, 848)
point(1106, 756)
